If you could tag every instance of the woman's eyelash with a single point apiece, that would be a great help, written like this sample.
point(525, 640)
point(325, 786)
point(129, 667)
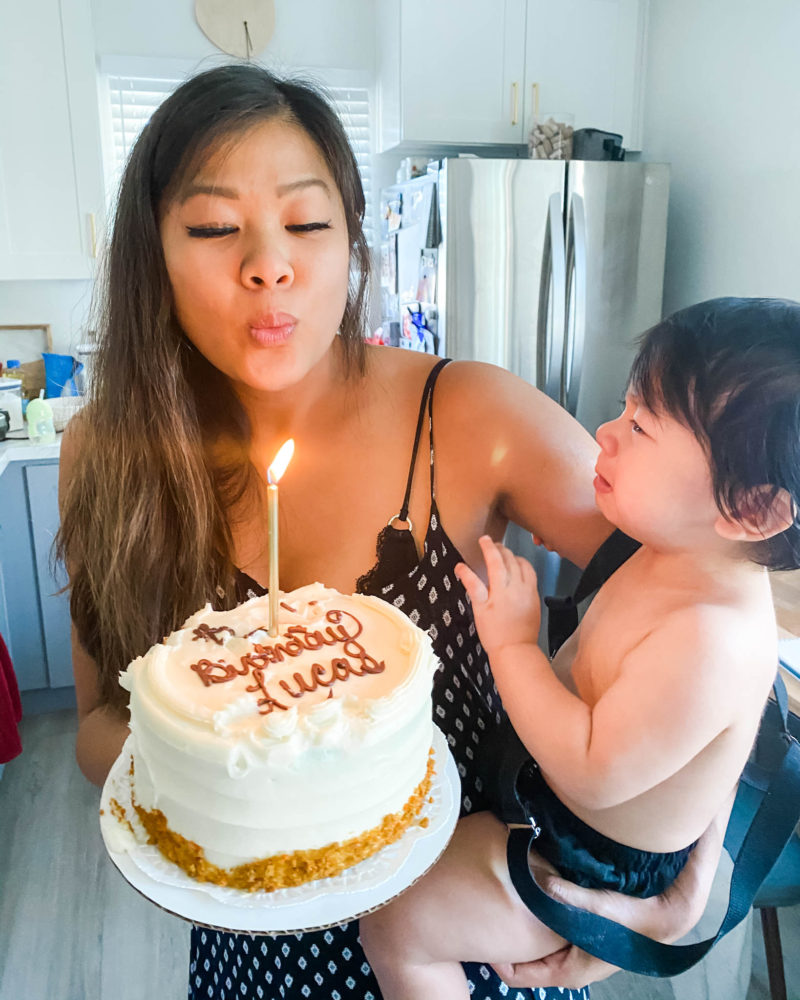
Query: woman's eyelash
point(208, 232)
point(636, 428)
point(309, 227)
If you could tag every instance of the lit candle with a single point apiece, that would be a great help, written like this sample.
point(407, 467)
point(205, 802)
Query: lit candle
point(274, 473)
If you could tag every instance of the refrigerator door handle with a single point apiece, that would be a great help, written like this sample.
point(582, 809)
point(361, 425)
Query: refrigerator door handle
point(552, 302)
point(572, 366)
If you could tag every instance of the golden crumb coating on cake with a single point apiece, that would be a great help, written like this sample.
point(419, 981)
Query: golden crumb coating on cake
point(283, 871)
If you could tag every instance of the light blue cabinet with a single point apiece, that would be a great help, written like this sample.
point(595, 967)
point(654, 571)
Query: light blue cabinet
point(42, 488)
point(34, 617)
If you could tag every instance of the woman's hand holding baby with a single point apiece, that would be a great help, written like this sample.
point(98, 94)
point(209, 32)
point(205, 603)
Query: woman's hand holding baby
point(507, 613)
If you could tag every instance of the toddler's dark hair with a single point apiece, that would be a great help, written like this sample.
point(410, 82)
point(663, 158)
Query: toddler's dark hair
point(729, 369)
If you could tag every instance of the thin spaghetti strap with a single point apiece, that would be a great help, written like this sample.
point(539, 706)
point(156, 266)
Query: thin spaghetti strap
point(427, 397)
point(396, 550)
point(430, 388)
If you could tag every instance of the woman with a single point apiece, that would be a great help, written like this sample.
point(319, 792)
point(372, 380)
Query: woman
point(229, 275)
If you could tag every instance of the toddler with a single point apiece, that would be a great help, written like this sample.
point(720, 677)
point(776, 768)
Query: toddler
point(640, 727)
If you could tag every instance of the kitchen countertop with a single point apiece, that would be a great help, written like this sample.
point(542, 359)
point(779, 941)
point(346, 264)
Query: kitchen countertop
point(21, 450)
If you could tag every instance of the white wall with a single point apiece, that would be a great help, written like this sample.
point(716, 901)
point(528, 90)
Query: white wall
point(722, 100)
point(62, 304)
point(332, 33)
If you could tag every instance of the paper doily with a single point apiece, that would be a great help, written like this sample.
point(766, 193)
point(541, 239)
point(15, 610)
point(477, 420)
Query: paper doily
point(314, 905)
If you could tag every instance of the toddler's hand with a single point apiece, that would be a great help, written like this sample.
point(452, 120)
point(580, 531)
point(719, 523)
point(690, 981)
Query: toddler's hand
point(508, 613)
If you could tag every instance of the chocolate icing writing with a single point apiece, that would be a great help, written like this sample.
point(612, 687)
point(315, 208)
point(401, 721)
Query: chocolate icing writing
point(340, 670)
point(204, 631)
point(369, 665)
point(267, 700)
point(343, 628)
point(216, 672)
point(298, 639)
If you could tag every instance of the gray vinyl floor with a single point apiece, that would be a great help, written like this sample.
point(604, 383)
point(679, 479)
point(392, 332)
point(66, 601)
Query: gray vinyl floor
point(72, 929)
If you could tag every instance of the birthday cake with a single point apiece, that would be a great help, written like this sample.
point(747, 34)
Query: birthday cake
point(263, 762)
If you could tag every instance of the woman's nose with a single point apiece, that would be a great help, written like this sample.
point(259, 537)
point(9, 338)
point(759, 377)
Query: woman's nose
point(265, 265)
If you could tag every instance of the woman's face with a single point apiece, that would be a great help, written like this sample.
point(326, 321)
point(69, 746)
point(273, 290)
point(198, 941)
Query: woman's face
point(257, 253)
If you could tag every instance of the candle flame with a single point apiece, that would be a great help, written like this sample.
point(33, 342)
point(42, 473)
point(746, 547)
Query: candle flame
point(281, 460)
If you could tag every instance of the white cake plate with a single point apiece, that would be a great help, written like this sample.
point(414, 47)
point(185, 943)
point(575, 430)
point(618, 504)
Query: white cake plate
point(314, 906)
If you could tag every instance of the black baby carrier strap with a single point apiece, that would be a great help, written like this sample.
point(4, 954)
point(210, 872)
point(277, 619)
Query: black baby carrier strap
point(777, 772)
point(562, 612)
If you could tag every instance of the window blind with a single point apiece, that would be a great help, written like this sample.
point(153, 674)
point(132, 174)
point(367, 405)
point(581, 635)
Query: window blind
point(134, 99)
point(352, 106)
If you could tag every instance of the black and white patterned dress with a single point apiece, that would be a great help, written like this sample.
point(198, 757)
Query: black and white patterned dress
point(330, 965)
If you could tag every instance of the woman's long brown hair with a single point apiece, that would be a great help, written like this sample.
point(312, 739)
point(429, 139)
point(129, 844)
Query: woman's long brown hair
point(144, 528)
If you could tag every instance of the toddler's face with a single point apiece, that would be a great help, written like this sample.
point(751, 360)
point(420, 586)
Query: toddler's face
point(653, 479)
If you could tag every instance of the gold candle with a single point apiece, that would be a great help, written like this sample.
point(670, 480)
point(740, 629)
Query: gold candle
point(274, 473)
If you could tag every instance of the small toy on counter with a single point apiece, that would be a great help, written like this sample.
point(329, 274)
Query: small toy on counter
point(39, 416)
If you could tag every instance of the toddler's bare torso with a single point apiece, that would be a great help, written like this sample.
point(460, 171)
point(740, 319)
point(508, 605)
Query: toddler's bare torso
point(738, 619)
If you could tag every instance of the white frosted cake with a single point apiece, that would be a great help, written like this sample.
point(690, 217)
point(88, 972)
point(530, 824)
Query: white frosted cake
point(262, 763)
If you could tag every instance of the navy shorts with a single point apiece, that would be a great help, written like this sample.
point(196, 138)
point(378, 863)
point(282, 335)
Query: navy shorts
point(586, 857)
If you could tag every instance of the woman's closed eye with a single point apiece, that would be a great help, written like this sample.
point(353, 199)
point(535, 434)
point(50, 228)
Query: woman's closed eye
point(210, 232)
point(214, 232)
point(309, 227)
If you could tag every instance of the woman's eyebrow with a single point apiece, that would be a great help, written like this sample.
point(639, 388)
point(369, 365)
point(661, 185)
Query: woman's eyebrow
point(212, 189)
point(303, 182)
point(233, 195)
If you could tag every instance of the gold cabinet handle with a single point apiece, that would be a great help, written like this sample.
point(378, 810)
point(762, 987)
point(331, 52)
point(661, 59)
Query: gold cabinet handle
point(535, 99)
point(514, 102)
point(93, 234)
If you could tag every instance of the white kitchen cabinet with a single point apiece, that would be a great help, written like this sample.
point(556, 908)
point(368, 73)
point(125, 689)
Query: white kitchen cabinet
point(51, 175)
point(462, 72)
point(450, 71)
point(585, 57)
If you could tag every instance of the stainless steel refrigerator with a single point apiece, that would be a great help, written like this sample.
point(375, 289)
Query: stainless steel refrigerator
point(551, 269)
point(547, 268)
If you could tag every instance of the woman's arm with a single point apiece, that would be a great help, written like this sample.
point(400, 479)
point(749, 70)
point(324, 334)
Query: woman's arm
point(518, 452)
point(665, 918)
point(101, 729)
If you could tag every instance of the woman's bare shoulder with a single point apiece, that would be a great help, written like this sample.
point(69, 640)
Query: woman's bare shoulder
point(74, 438)
point(73, 442)
point(483, 401)
point(478, 381)
point(481, 377)
point(488, 397)
point(390, 362)
point(533, 457)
